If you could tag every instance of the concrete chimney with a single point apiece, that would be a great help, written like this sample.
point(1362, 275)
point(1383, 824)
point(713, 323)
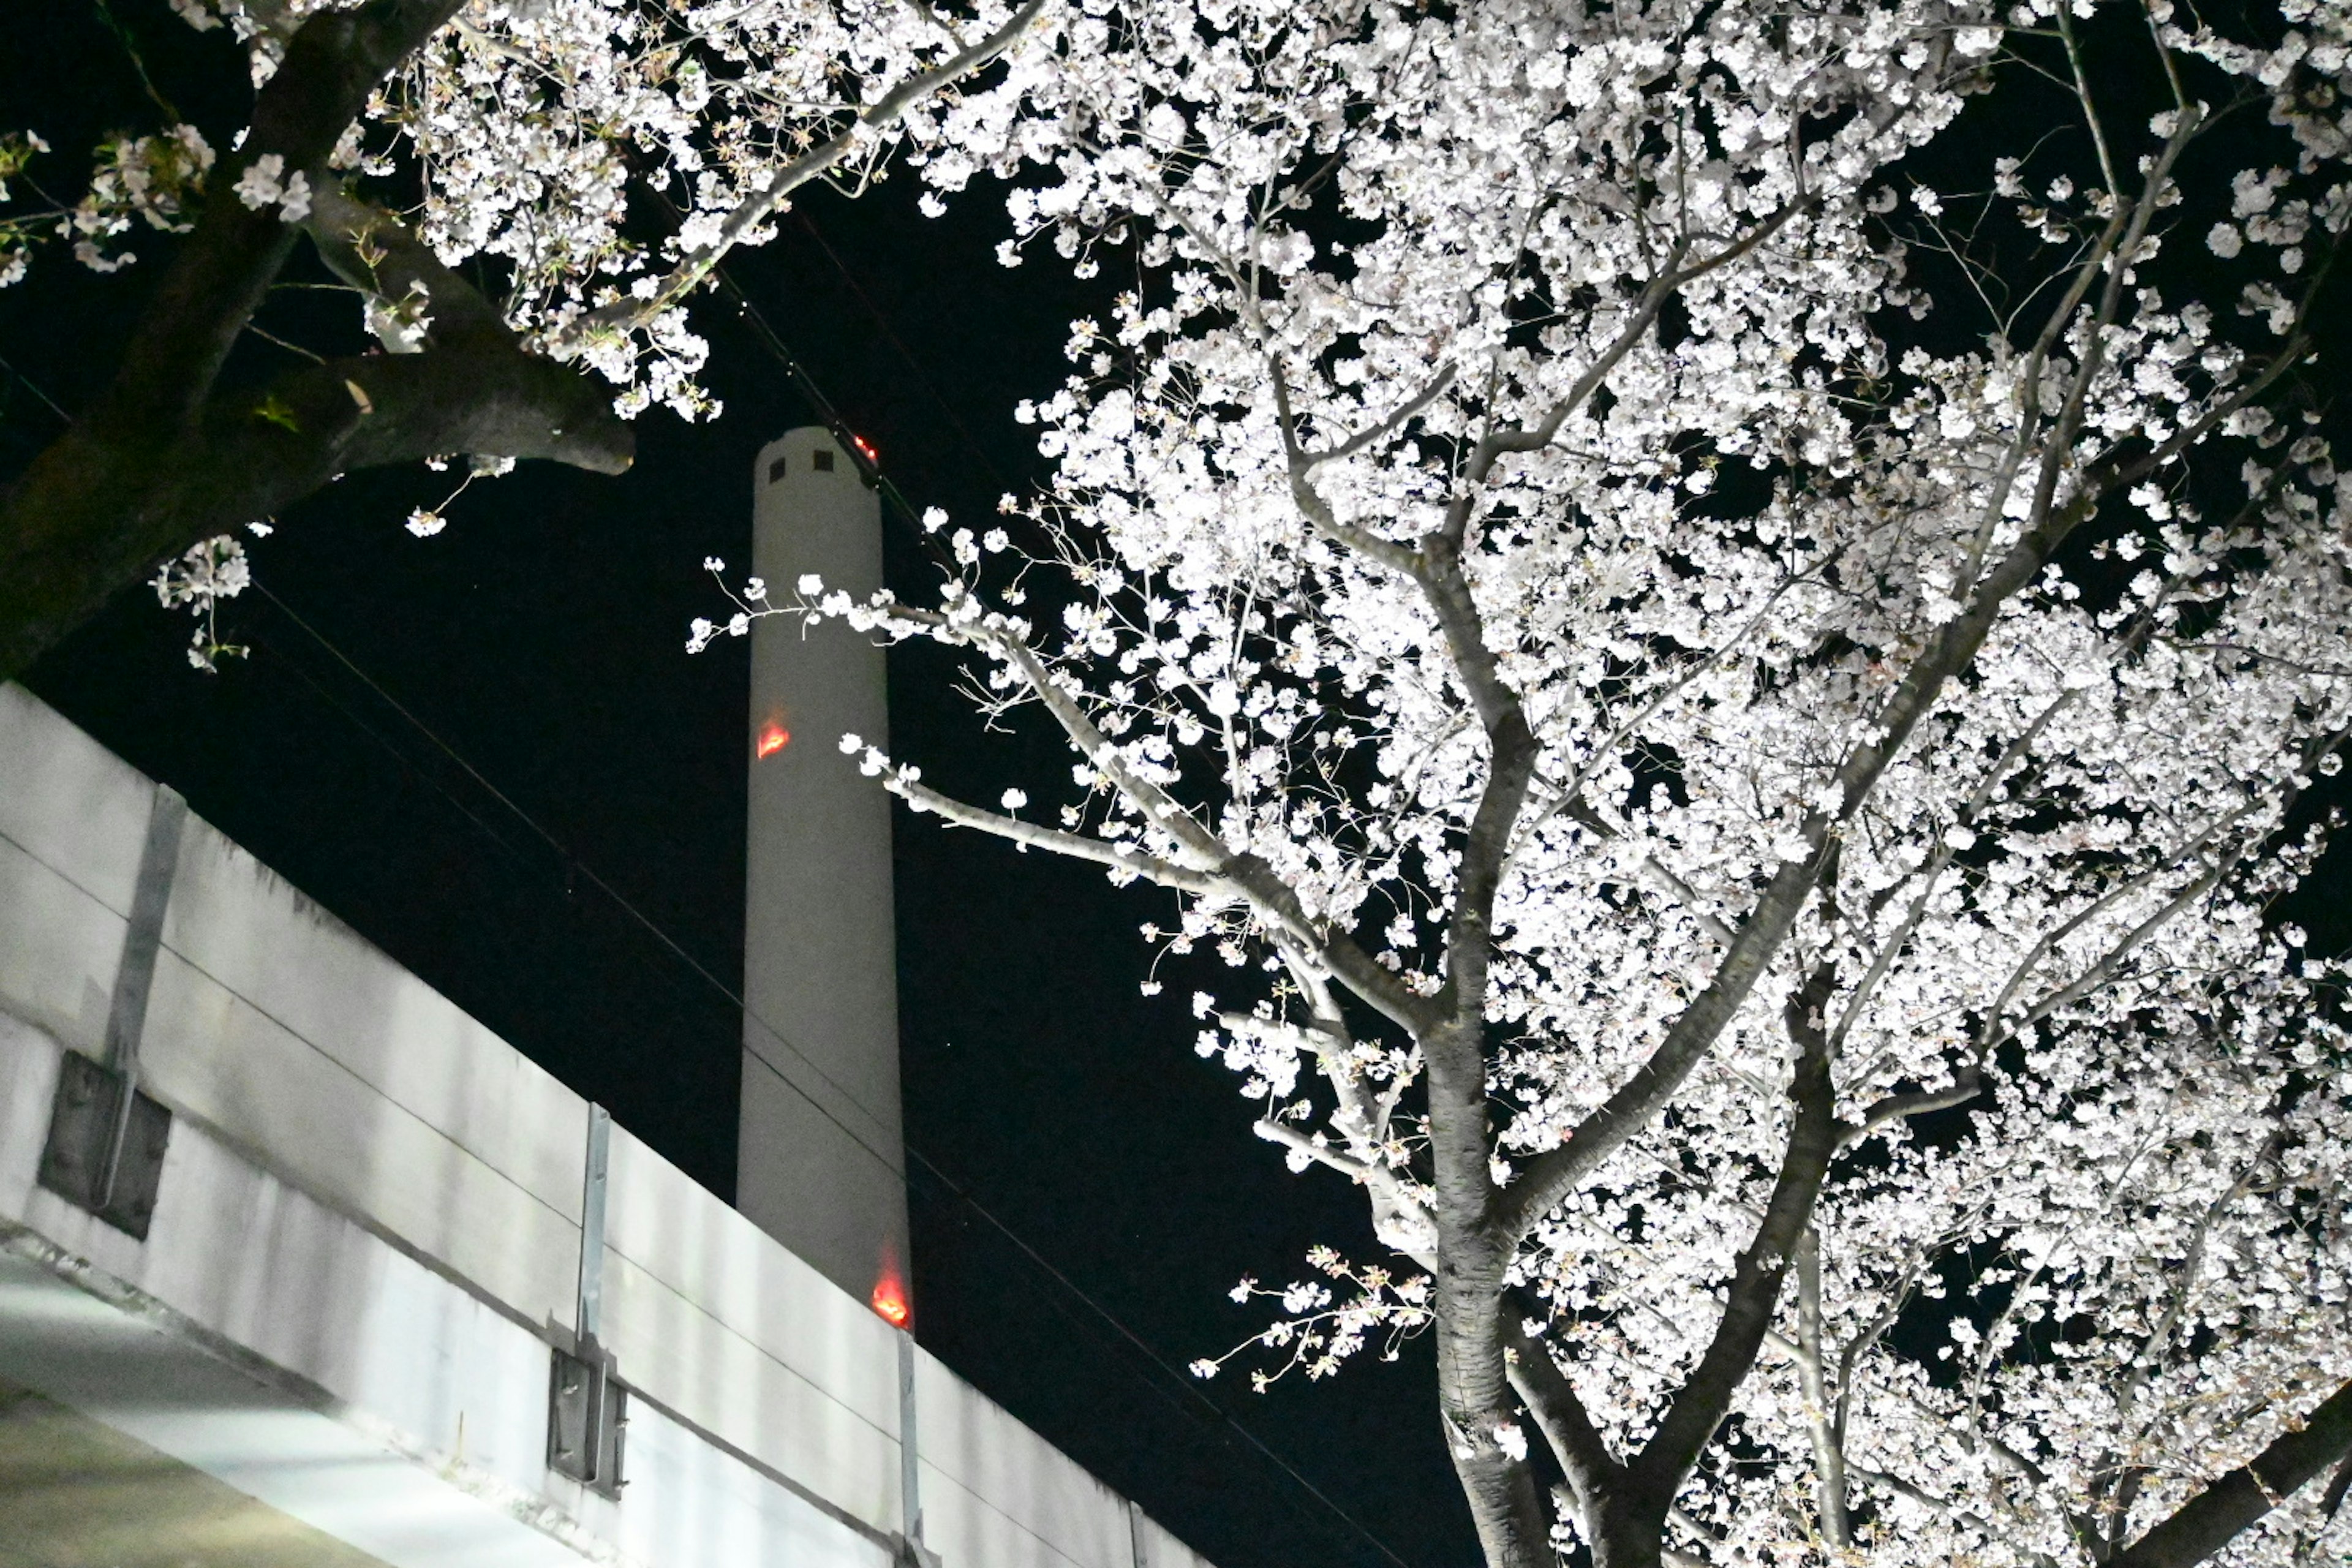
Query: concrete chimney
point(821, 1155)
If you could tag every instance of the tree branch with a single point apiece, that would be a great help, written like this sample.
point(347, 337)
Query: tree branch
point(1828, 1444)
point(101, 506)
point(1755, 1291)
point(95, 513)
point(2216, 1516)
point(1076, 846)
point(333, 63)
point(628, 314)
point(1562, 1416)
point(372, 250)
point(163, 458)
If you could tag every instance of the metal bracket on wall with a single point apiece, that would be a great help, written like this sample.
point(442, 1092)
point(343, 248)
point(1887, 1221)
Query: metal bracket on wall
point(106, 1141)
point(587, 1409)
point(587, 1419)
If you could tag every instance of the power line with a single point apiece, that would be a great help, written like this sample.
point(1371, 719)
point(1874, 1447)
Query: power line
point(891, 333)
point(869, 465)
point(961, 1194)
point(34, 387)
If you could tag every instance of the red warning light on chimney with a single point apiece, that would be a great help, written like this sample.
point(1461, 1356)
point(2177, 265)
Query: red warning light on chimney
point(773, 738)
point(865, 446)
point(890, 1298)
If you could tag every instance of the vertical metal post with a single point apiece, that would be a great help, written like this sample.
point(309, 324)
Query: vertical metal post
point(126, 1016)
point(911, 1451)
point(589, 1315)
point(588, 1312)
point(1135, 1536)
point(586, 1411)
point(106, 1141)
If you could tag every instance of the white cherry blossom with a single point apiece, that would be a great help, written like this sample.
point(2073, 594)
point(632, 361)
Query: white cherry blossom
point(1734, 707)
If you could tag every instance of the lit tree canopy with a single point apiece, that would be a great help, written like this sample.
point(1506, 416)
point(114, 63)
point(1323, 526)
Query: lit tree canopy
point(402, 138)
point(1728, 614)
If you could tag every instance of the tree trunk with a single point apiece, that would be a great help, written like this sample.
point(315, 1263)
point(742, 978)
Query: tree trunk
point(1475, 1397)
point(1627, 1534)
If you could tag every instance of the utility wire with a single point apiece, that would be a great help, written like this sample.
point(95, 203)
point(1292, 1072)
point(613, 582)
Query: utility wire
point(961, 1194)
point(373, 733)
point(891, 333)
point(864, 457)
point(34, 387)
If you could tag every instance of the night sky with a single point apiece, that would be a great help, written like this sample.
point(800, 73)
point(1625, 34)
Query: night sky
point(541, 636)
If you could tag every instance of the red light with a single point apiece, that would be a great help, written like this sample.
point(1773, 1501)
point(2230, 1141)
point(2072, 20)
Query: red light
point(865, 446)
point(773, 738)
point(890, 1298)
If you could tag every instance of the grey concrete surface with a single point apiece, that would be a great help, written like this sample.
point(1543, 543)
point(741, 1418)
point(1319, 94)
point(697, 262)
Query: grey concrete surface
point(75, 1493)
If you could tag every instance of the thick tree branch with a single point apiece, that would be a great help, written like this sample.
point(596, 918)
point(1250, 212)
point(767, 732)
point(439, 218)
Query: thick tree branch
point(165, 457)
point(2123, 1480)
point(1400, 1219)
point(372, 250)
point(218, 278)
point(110, 497)
point(1756, 1281)
point(2233, 1503)
point(99, 510)
point(1902, 1488)
point(1583, 1454)
point(1965, 1086)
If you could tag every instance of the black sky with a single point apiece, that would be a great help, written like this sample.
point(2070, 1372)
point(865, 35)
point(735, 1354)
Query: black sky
point(542, 635)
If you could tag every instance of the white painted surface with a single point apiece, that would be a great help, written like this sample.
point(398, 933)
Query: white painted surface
point(374, 1201)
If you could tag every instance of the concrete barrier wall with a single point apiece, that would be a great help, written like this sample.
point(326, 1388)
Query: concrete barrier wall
point(368, 1191)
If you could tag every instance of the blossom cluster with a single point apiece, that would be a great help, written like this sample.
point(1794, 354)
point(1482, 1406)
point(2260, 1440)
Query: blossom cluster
point(597, 156)
point(539, 130)
point(198, 581)
point(1396, 432)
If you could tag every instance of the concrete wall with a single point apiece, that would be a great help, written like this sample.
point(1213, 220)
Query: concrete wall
point(371, 1205)
point(820, 1158)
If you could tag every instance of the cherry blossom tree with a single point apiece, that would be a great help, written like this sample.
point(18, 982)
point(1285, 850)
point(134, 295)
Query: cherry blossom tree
point(401, 138)
point(1727, 615)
